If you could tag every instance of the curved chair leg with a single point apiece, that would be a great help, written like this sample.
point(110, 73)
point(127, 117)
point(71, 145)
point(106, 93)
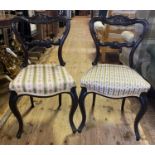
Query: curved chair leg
point(13, 106)
point(143, 108)
point(122, 106)
point(83, 94)
point(60, 102)
point(32, 103)
point(93, 104)
point(73, 108)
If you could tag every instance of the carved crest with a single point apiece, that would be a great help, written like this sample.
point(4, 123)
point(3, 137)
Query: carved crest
point(119, 20)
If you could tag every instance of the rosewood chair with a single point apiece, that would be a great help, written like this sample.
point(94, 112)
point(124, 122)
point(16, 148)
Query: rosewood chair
point(115, 80)
point(42, 80)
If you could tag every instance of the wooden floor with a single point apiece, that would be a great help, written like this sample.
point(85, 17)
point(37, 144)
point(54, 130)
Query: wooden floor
point(44, 125)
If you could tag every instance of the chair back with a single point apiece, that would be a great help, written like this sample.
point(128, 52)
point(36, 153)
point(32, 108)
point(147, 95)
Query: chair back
point(118, 20)
point(47, 43)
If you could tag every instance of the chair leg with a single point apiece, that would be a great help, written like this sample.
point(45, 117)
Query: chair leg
point(74, 98)
point(143, 108)
point(122, 106)
point(94, 99)
point(13, 106)
point(32, 103)
point(83, 94)
point(60, 102)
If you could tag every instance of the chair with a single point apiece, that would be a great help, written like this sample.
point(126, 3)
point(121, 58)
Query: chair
point(115, 81)
point(42, 80)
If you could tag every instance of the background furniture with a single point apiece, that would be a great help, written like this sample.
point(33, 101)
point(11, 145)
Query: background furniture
point(4, 80)
point(47, 29)
point(115, 81)
point(82, 12)
point(42, 80)
point(6, 41)
point(7, 64)
point(148, 68)
point(5, 31)
point(5, 25)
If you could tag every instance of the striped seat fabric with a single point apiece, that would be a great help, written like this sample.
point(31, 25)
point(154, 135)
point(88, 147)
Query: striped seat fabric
point(42, 80)
point(114, 81)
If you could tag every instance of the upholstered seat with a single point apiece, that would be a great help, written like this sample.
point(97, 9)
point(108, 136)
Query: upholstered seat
point(42, 80)
point(114, 81)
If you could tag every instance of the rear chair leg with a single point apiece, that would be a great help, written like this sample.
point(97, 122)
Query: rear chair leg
point(122, 106)
point(74, 98)
point(60, 102)
point(94, 99)
point(83, 94)
point(143, 109)
point(13, 106)
point(32, 102)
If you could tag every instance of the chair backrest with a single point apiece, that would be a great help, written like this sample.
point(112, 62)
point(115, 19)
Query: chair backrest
point(118, 20)
point(47, 43)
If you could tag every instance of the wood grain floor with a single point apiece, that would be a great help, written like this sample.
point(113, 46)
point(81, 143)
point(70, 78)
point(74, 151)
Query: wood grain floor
point(44, 125)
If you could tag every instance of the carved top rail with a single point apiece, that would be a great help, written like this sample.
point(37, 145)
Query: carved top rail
point(41, 19)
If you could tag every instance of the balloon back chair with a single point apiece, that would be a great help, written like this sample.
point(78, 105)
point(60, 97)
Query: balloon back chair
point(42, 80)
point(115, 80)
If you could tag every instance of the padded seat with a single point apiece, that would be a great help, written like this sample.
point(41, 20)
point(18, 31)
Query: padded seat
point(42, 80)
point(114, 81)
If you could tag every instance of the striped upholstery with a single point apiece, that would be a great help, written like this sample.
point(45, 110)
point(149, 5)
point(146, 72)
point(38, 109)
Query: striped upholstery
point(114, 81)
point(42, 80)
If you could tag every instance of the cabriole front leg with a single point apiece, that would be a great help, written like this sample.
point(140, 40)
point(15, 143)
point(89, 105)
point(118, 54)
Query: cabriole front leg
point(74, 98)
point(13, 106)
point(143, 108)
point(83, 94)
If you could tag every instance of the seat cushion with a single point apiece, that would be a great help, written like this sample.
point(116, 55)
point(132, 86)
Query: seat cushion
point(42, 80)
point(114, 81)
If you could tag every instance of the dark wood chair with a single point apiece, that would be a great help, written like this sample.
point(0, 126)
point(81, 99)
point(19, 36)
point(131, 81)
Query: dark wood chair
point(42, 80)
point(112, 80)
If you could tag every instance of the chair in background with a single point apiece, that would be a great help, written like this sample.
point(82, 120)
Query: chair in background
point(42, 80)
point(115, 81)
